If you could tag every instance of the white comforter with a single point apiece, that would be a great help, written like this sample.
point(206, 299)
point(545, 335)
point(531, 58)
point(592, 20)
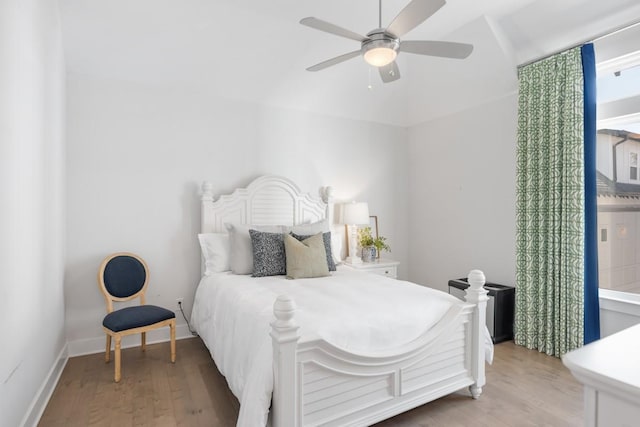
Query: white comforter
point(357, 311)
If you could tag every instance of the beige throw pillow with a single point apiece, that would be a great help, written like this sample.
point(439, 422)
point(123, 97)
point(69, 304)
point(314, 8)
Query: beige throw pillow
point(306, 258)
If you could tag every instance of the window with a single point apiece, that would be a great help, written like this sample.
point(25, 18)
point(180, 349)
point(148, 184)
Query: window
point(617, 85)
point(618, 183)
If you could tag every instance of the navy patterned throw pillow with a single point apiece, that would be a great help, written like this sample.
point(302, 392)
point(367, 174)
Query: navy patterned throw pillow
point(326, 237)
point(269, 258)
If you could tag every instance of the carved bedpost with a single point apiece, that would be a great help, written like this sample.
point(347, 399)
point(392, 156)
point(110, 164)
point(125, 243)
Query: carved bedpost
point(207, 192)
point(476, 294)
point(205, 198)
point(327, 197)
point(284, 335)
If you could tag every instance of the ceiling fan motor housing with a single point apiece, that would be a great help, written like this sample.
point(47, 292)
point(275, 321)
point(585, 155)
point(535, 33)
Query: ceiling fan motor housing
point(380, 48)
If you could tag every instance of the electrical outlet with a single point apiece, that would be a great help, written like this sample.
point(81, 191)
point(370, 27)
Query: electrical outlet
point(179, 301)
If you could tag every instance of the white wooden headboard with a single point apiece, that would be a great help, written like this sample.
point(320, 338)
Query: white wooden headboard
point(268, 200)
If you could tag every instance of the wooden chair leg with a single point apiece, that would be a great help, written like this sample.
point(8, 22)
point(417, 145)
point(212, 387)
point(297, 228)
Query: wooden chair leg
point(117, 357)
point(144, 341)
point(107, 354)
point(172, 328)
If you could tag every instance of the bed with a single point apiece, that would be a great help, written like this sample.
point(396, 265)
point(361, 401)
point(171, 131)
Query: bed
point(351, 348)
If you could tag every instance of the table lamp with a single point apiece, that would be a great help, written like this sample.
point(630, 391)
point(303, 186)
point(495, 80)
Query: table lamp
point(354, 214)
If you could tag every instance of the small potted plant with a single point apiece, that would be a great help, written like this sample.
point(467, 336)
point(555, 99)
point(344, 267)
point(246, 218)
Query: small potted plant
point(371, 247)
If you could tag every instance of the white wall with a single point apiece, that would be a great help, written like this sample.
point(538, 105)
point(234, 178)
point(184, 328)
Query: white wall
point(137, 156)
point(619, 255)
point(462, 195)
point(604, 154)
point(32, 195)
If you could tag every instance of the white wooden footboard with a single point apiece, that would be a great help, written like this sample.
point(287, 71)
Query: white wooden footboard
point(316, 383)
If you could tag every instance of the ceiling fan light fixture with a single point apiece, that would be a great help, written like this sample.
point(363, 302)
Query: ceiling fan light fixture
point(380, 56)
point(380, 51)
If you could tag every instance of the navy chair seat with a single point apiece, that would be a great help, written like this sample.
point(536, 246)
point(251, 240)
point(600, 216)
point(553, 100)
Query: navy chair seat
point(136, 317)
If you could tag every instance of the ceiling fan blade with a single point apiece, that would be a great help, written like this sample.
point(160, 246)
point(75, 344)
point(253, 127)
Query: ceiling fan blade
point(390, 72)
point(328, 27)
point(413, 15)
point(334, 61)
point(437, 48)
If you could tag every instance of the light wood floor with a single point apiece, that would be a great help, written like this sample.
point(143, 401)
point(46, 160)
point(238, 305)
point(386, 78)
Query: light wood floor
point(524, 388)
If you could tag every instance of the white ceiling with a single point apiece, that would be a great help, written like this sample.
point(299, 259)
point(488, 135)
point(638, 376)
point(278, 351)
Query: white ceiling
point(255, 50)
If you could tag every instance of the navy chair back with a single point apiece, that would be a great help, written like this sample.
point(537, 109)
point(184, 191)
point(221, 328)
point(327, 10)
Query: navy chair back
point(124, 276)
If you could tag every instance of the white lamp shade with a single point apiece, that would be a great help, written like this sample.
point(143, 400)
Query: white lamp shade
point(380, 56)
point(355, 213)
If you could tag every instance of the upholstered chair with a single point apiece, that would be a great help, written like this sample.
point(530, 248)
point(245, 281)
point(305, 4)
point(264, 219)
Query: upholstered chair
point(124, 276)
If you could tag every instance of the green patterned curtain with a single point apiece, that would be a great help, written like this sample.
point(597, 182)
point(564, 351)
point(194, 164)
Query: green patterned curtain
point(550, 205)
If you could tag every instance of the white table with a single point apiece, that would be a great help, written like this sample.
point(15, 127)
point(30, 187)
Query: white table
point(609, 369)
point(382, 266)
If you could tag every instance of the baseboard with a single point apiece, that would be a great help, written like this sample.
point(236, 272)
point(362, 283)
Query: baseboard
point(96, 345)
point(39, 403)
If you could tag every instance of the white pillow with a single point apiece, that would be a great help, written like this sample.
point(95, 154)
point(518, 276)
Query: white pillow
point(241, 258)
point(321, 226)
point(215, 252)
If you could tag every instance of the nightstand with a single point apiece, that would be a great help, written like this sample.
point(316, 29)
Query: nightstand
point(383, 267)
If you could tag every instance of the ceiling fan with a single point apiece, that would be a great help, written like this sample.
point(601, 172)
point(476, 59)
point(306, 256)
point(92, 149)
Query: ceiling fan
point(381, 46)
